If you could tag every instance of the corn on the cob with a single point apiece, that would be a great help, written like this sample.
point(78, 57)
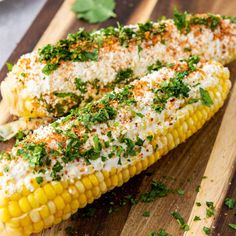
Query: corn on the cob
point(64, 166)
point(50, 82)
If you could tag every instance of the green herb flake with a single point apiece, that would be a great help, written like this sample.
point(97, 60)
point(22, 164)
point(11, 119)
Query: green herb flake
point(180, 191)
point(206, 230)
point(205, 97)
point(196, 218)
point(146, 213)
point(230, 202)
point(158, 189)
point(210, 211)
point(9, 66)
point(180, 220)
point(198, 204)
point(161, 232)
point(180, 20)
point(39, 179)
point(232, 226)
point(81, 85)
point(94, 11)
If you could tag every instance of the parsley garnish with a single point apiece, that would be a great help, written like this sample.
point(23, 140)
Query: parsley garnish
point(206, 230)
point(158, 189)
point(180, 220)
point(9, 66)
point(232, 226)
point(180, 20)
point(210, 211)
point(39, 179)
point(94, 11)
point(146, 213)
point(123, 76)
point(35, 154)
point(162, 232)
point(230, 202)
point(205, 97)
point(81, 85)
point(156, 66)
point(196, 218)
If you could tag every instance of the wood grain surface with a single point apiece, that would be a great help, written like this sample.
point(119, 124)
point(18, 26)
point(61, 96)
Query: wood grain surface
point(210, 152)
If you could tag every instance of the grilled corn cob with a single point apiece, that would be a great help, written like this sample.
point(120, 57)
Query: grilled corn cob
point(50, 82)
point(66, 165)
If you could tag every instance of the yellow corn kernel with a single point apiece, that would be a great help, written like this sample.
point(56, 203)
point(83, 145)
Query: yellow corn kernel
point(40, 196)
point(24, 204)
point(34, 216)
point(80, 187)
point(59, 202)
point(4, 215)
point(34, 204)
point(73, 191)
point(75, 204)
point(44, 212)
point(66, 196)
point(52, 207)
point(14, 209)
point(38, 226)
point(57, 187)
point(93, 180)
point(86, 182)
point(50, 192)
point(25, 220)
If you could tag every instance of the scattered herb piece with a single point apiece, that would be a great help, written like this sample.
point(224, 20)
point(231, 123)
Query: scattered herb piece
point(210, 211)
point(206, 230)
point(146, 213)
point(196, 218)
point(198, 188)
point(180, 191)
point(39, 179)
point(232, 226)
point(230, 202)
point(205, 97)
point(81, 85)
point(198, 204)
point(158, 189)
point(9, 66)
point(180, 220)
point(94, 11)
point(161, 232)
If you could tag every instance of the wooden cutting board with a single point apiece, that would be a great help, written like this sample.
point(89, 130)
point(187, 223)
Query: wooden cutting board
point(207, 159)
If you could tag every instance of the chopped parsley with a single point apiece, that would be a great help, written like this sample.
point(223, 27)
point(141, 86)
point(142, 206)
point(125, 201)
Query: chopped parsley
point(158, 189)
point(180, 191)
point(232, 226)
point(210, 211)
point(174, 88)
point(198, 204)
point(180, 220)
point(55, 169)
point(81, 85)
point(36, 154)
point(9, 66)
point(146, 213)
point(206, 230)
point(161, 232)
point(180, 20)
point(156, 66)
point(39, 179)
point(229, 202)
point(123, 76)
point(184, 21)
point(205, 97)
point(196, 218)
